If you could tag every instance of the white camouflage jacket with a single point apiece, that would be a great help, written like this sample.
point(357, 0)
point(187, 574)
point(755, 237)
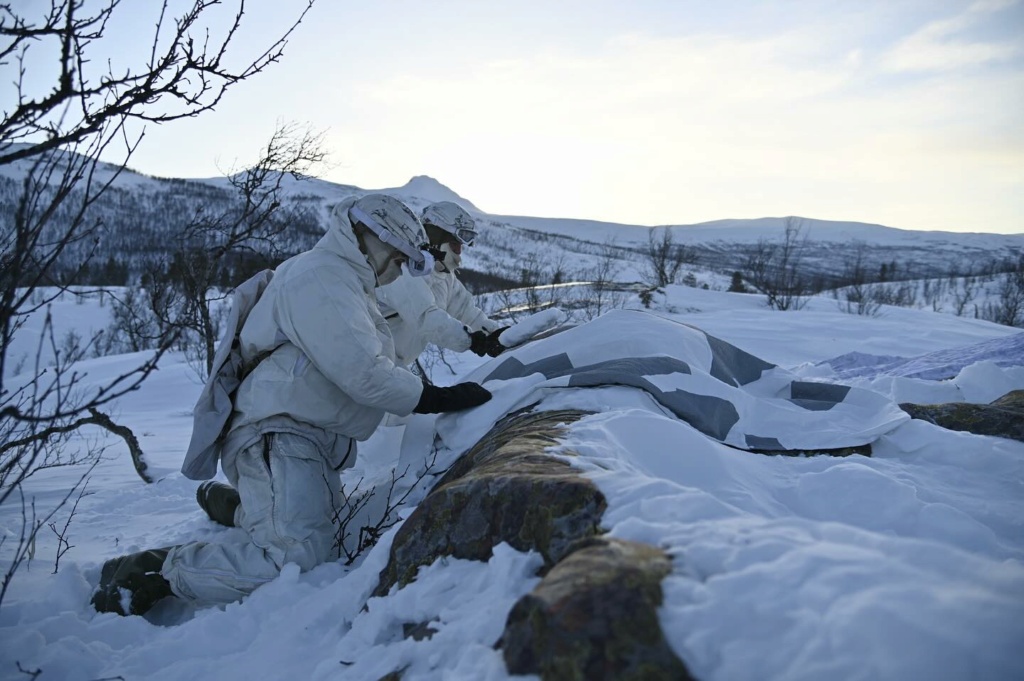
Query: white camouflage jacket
point(435, 313)
point(332, 369)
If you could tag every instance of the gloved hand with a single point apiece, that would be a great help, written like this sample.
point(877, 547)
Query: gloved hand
point(479, 343)
point(493, 346)
point(435, 400)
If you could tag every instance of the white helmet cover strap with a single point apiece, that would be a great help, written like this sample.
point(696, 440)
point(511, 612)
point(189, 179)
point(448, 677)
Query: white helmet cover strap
point(421, 262)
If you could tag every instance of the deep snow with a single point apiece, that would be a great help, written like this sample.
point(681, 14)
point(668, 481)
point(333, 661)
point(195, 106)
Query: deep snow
point(905, 565)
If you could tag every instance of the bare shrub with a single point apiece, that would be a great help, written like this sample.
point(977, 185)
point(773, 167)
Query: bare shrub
point(365, 514)
point(934, 291)
point(664, 258)
point(897, 293)
point(430, 361)
point(964, 290)
point(857, 295)
point(63, 115)
point(603, 295)
point(773, 268)
point(541, 284)
point(1008, 308)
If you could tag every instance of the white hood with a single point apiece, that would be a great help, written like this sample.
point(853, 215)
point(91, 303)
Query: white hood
point(332, 365)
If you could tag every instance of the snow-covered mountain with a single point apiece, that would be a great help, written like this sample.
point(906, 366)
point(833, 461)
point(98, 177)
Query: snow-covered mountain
point(139, 212)
point(750, 231)
point(418, 191)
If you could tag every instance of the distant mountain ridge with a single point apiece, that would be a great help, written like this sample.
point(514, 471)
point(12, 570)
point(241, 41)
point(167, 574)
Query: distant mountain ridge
point(426, 188)
point(140, 211)
point(752, 229)
point(421, 190)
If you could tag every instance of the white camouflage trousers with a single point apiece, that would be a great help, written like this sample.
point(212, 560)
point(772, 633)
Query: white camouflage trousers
point(289, 499)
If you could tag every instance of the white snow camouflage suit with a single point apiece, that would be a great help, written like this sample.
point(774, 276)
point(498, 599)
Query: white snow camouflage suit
point(435, 313)
point(329, 382)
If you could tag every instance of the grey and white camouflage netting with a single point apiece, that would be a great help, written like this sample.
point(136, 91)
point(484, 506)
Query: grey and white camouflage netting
point(722, 391)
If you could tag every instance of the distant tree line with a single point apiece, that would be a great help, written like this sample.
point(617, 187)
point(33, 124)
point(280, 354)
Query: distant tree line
point(787, 271)
point(182, 294)
point(136, 232)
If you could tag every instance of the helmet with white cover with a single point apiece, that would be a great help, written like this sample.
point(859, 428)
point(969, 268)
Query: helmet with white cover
point(451, 218)
point(396, 228)
point(449, 227)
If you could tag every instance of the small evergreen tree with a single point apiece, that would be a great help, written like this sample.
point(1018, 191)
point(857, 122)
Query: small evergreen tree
point(736, 285)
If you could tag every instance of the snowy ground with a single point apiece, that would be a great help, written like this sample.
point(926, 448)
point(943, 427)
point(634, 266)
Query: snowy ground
point(905, 565)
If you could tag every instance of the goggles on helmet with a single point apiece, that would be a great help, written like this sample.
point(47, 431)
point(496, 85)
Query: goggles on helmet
point(465, 235)
point(421, 262)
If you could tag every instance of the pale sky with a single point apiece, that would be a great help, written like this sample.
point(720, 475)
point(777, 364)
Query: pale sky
point(908, 113)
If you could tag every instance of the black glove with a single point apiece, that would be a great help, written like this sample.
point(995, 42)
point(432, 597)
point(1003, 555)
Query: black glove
point(493, 346)
point(435, 400)
point(479, 343)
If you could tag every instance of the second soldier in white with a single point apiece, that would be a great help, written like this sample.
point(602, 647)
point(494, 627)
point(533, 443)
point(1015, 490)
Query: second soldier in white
point(443, 311)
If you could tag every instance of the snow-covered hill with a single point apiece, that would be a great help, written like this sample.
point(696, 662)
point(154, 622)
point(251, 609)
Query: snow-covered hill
point(750, 231)
point(903, 565)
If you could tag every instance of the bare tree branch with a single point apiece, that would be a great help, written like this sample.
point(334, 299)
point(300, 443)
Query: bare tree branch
point(255, 225)
point(664, 257)
point(774, 268)
point(57, 131)
point(193, 77)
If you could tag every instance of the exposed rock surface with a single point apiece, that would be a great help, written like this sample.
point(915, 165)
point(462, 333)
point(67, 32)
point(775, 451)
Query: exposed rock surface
point(1002, 418)
point(594, 617)
point(505, 489)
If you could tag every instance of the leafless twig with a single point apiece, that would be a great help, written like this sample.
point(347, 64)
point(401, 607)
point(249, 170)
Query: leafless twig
point(63, 544)
point(360, 526)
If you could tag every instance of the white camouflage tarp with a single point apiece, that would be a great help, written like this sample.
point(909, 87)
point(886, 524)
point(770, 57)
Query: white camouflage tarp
point(722, 391)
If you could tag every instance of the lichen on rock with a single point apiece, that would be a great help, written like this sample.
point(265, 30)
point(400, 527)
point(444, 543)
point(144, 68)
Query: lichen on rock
point(505, 489)
point(1003, 417)
point(594, 614)
point(594, 617)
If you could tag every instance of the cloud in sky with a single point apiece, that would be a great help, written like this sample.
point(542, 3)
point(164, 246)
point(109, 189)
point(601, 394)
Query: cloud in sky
point(941, 45)
point(905, 114)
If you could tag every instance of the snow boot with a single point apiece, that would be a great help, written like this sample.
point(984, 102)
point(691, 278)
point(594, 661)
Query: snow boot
point(132, 584)
point(219, 501)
